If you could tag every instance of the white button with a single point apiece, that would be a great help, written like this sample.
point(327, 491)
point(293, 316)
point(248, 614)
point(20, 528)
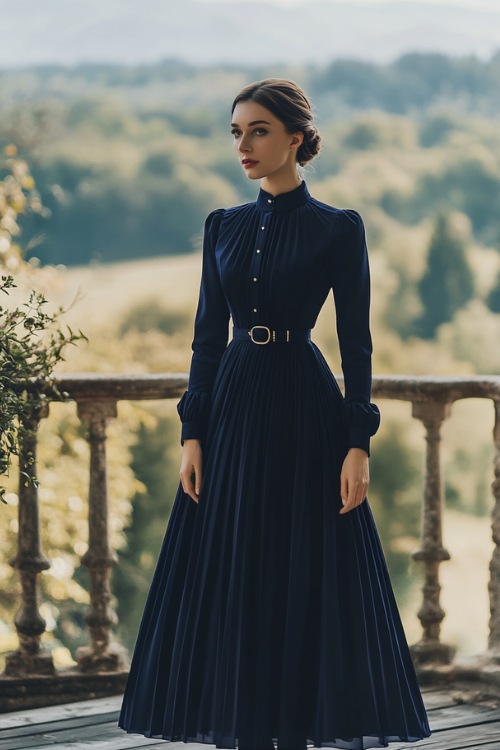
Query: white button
point(269, 200)
point(258, 251)
point(255, 309)
point(262, 227)
point(254, 278)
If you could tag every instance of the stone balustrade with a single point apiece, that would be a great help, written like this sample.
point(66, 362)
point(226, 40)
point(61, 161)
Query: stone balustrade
point(30, 678)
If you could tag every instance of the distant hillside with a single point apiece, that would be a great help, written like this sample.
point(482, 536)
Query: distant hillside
point(212, 31)
point(130, 159)
point(410, 84)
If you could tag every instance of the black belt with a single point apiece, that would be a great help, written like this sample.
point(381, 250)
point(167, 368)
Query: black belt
point(265, 335)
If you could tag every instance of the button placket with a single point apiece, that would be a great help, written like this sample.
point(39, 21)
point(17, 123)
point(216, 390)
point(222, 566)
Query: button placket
point(255, 269)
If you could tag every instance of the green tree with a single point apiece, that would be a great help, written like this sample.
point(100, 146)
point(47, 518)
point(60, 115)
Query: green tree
point(158, 473)
point(395, 497)
point(31, 340)
point(362, 136)
point(436, 129)
point(447, 283)
point(493, 300)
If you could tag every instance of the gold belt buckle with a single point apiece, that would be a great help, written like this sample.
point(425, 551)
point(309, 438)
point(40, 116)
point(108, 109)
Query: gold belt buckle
point(250, 333)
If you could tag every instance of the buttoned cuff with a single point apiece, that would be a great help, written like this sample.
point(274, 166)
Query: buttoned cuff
point(191, 430)
point(358, 438)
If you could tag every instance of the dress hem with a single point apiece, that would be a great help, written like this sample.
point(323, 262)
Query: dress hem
point(366, 742)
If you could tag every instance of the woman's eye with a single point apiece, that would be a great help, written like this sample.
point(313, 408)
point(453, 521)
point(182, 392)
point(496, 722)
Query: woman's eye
point(257, 131)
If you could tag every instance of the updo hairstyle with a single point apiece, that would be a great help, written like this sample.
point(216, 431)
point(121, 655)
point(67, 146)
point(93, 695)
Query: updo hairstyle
point(286, 100)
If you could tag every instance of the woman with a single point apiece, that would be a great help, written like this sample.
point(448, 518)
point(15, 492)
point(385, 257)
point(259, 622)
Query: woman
point(271, 617)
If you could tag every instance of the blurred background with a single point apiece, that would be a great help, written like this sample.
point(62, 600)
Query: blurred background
point(121, 112)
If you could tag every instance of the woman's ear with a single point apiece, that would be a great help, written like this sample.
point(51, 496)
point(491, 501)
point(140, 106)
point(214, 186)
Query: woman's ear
point(297, 139)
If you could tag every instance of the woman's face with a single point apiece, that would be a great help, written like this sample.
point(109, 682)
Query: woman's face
point(262, 144)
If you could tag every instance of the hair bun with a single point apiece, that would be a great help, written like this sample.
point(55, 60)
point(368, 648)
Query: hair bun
point(310, 146)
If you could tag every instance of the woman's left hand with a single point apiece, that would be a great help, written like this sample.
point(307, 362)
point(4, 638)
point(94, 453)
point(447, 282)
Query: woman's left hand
point(354, 479)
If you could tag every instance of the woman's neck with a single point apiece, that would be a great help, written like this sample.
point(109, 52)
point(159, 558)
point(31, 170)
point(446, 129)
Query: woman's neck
point(282, 184)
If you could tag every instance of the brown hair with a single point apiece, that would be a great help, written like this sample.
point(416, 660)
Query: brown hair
point(286, 100)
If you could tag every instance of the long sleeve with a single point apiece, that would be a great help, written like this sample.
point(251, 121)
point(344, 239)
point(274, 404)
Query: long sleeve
point(211, 332)
point(351, 289)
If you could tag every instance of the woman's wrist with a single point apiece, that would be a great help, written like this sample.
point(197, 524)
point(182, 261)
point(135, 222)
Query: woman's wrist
point(359, 451)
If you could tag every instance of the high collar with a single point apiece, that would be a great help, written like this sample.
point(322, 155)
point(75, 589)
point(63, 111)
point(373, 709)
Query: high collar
point(284, 201)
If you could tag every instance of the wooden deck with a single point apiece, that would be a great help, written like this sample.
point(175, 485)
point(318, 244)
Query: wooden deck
point(91, 725)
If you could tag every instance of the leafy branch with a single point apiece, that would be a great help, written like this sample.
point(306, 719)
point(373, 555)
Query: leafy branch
point(31, 345)
point(32, 341)
point(18, 196)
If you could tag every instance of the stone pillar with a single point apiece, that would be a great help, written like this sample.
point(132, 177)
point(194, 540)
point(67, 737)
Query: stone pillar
point(101, 655)
point(494, 584)
point(430, 650)
point(30, 658)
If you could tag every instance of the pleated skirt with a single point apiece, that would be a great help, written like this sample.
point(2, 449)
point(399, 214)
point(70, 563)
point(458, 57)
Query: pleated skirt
point(271, 618)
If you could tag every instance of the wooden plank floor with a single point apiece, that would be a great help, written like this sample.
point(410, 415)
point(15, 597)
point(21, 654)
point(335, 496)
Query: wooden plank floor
point(91, 725)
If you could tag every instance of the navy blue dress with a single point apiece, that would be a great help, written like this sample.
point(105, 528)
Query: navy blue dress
point(271, 618)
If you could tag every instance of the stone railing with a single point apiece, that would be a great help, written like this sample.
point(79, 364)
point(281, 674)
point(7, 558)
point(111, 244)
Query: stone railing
point(30, 677)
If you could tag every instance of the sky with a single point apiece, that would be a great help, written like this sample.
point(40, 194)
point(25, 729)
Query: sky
point(482, 4)
point(202, 32)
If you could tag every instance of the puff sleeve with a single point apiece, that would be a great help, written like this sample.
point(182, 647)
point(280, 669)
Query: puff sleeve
point(351, 290)
point(211, 332)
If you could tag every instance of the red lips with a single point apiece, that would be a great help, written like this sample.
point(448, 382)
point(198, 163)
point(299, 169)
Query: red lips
point(248, 163)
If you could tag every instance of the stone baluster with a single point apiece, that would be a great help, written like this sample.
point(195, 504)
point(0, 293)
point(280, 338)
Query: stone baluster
point(494, 584)
point(430, 650)
point(29, 658)
point(101, 655)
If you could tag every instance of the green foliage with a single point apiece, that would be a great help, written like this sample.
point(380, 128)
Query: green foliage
point(31, 340)
point(473, 188)
point(399, 311)
point(154, 166)
point(31, 345)
point(447, 283)
point(151, 507)
point(436, 128)
point(468, 184)
point(159, 164)
point(363, 136)
point(96, 215)
point(469, 338)
point(395, 495)
point(411, 83)
point(414, 82)
point(18, 196)
point(494, 297)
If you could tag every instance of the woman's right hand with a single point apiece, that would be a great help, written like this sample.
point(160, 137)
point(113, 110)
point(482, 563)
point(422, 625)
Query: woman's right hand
point(190, 471)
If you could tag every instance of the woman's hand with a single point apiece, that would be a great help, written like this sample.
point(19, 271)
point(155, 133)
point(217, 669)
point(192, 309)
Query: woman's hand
point(191, 463)
point(354, 479)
